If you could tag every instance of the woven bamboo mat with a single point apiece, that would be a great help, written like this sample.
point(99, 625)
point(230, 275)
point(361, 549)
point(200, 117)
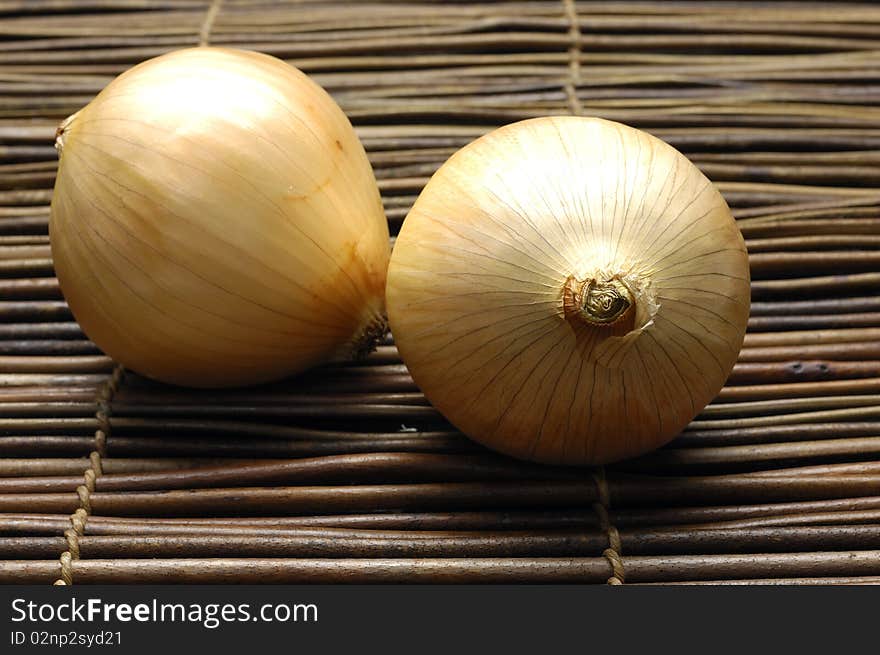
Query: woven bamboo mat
point(347, 474)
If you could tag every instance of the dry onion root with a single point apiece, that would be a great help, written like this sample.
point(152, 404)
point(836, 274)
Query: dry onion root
point(216, 222)
point(569, 290)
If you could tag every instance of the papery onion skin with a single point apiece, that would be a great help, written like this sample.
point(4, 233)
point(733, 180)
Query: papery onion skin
point(569, 290)
point(216, 221)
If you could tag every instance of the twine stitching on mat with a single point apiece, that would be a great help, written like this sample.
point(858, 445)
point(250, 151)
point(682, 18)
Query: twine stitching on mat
point(96, 468)
point(601, 507)
point(208, 24)
point(574, 58)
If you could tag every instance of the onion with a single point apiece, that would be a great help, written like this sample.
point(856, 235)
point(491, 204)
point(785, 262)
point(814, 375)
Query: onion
point(216, 221)
point(569, 290)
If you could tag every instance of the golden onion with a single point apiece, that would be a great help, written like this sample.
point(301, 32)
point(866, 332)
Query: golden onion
point(216, 221)
point(569, 290)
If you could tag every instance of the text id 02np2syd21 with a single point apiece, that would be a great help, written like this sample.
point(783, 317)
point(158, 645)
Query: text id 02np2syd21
point(62, 639)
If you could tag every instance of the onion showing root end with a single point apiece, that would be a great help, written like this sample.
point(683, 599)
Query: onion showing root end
point(569, 290)
point(216, 222)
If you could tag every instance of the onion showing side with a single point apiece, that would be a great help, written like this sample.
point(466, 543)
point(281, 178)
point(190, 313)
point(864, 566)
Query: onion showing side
point(216, 221)
point(569, 290)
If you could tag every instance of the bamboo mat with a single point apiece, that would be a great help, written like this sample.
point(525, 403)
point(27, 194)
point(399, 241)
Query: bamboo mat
point(347, 474)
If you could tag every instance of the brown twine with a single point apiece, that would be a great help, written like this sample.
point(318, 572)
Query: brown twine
point(72, 543)
point(614, 549)
point(78, 520)
point(84, 491)
point(574, 58)
point(95, 457)
point(100, 444)
point(66, 569)
point(208, 24)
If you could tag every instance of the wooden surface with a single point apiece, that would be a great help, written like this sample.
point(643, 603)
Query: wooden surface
point(347, 474)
